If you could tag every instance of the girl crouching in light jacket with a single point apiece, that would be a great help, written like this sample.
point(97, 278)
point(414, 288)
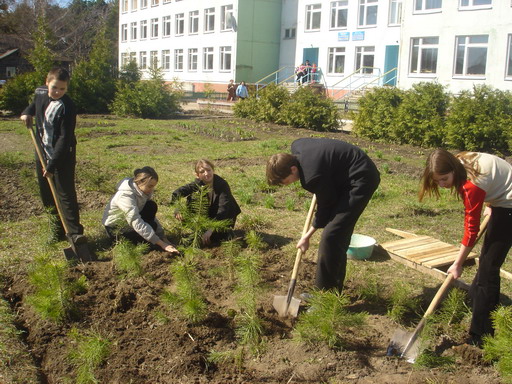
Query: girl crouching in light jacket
point(132, 205)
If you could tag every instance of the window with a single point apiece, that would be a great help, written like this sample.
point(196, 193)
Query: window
point(289, 33)
point(124, 59)
point(208, 59)
point(133, 57)
point(395, 12)
point(154, 3)
point(336, 60)
point(166, 59)
point(209, 19)
point(339, 14)
point(10, 72)
point(471, 55)
point(225, 58)
point(364, 59)
point(143, 4)
point(124, 32)
point(153, 59)
point(509, 58)
point(313, 17)
point(134, 5)
point(166, 26)
point(427, 5)
point(143, 29)
point(367, 13)
point(133, 31)
point(475, 3)
point(193, 24)
point(178, 59)
point(226, 21)
point(124, 5)
point(180, 24)
point(424, 55)
point(192, 59)
point(166, 1)
point(154, 28)
point(143, 60)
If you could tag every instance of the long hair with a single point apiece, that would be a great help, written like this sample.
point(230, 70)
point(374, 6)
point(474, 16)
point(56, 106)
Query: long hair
point(201, 163)
point(144, 175)
point(442, 162)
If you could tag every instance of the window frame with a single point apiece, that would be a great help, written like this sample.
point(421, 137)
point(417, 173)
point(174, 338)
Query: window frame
point(226, 18)
point(143, 4)
point(208, 58)
point(332, 54)
point(134, 5)
point(179, 24)
point(224, 63)
point(364, 8)
point(395, 13)
point(143, 29)
point(423, 7)
point(154, 28)
point(290, 33)
point(360, 58)
point(193, 21)
point(193, 59)
point(153, 59)
point(155, 3)
point(133, 31)
point(468, 47)
point(423, 49)
point(143, 60)
point(470, 6)
point(508, 63)
point(334, 15)
point(209, 20)
point(166, 26)
point(124, 33)
point(312, 11)
point(166, 59)
point(178, 60)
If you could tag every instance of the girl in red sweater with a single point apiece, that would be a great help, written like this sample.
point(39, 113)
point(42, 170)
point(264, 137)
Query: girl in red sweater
point(478, 179)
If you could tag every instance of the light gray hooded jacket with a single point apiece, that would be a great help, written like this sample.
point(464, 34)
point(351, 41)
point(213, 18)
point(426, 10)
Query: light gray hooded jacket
point(127, 203)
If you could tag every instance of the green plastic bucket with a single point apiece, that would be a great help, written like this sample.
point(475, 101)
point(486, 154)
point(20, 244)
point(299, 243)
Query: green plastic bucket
point(361, 247)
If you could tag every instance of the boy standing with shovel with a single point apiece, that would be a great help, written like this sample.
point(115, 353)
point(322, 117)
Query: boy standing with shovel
point(55, 132)
point(343, 178)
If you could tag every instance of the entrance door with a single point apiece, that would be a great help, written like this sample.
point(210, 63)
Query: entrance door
point(391, 62)
point(310, 54)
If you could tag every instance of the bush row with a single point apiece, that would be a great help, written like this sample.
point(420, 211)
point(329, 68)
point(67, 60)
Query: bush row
point(428, 116)
point(305, 108)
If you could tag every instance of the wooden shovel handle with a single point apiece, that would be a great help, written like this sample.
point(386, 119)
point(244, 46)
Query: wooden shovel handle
point(39, 152)
point(307, 224)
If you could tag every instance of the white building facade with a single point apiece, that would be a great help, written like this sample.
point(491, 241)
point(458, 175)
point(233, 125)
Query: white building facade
point(458, 43)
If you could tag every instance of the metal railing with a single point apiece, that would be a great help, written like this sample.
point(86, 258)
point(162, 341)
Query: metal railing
point(282, 76)
point(360, 80)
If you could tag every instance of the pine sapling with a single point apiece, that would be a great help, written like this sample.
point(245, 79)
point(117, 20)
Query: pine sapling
point(187, 296)
point(401, 301)
point(231, 249)
point(127, 257)
point(328, 320)
point(54, 290)
point(90, 350)
point(497, 347)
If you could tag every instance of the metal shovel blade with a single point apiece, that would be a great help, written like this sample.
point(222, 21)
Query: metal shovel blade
point(78, 251)
point(404, 345)
point(285, 308)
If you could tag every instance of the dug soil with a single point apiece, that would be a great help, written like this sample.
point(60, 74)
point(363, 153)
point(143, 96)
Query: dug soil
point(150, 344)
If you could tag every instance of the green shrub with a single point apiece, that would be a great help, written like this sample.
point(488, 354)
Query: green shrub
point(267, 107)
point(378, 110)
point(127, 257)
point(480, 120)
point(308, 109)
point(421, 116)
point(146, 98)
point(17, 92)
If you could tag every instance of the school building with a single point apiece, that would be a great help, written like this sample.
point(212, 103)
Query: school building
point(353, 43)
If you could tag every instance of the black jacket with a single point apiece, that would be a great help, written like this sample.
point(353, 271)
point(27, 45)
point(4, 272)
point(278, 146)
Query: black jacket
point(63, 121)
point(333, 170)
point(223, 204)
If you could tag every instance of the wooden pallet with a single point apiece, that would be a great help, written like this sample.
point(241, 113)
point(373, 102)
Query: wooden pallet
point(424, 250)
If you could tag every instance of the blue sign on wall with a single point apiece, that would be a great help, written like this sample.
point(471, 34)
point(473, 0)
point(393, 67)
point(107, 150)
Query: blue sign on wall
point(358, 36)
point(343, 36)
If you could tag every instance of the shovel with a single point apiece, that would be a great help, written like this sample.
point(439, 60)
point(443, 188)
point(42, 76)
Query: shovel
point(289, 305)
point(407, 344)
point(77, 250)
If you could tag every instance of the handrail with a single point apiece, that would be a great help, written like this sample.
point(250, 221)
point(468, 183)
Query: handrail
point(273, 73)
point(353, 79)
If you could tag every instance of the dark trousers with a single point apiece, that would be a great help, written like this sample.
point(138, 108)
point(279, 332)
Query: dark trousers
point(218, 237)
point(485, 289)
point(148, 214)
point(332, 251)
point(64, 181)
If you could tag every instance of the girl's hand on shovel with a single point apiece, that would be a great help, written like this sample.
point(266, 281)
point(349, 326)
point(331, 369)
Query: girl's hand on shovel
point(303, 243)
